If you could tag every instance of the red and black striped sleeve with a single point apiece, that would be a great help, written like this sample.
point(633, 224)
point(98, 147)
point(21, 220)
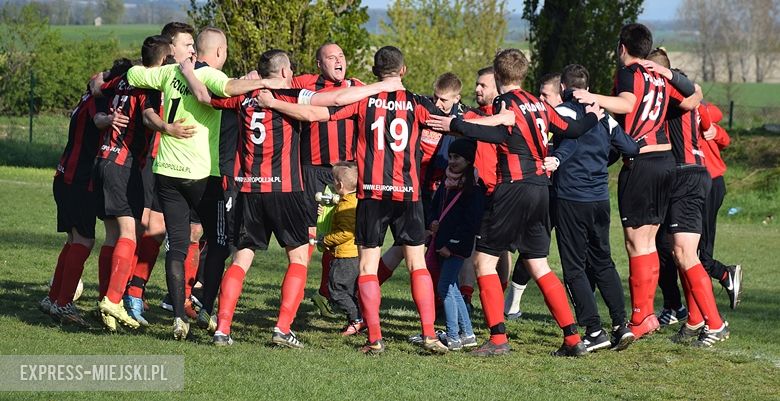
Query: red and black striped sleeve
point(234, 102)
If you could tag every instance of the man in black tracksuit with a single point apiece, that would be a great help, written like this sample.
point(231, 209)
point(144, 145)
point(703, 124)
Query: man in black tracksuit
point(581, 215)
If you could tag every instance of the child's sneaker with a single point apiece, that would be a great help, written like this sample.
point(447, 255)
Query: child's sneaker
point(353, 328)
point(469, 341)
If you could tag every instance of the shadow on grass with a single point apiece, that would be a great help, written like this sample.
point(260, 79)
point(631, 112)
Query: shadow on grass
point(25, 154)
point(25, 239)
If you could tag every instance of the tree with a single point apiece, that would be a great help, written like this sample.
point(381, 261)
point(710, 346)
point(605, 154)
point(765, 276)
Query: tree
point(112, 11)
point(438, 36)
point(61, 68)
point(577, 31)
point(297, 26)
point(744, 39)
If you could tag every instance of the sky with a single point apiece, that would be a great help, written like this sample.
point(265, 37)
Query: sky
point(654, 9)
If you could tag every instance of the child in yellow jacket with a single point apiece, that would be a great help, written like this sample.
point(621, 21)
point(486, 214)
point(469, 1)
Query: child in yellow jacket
point(340, 241)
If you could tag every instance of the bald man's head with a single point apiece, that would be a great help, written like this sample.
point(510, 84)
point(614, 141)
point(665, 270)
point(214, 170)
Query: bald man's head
point(211, 46)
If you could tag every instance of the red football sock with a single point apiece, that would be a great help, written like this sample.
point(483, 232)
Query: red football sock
point(327, 257)
point(652, 285)
point(72, 270)
point(147, 252)
point(292, 294)
point(639, 280)
point(493, 305)
point(384, 272)
point(370, 298)
point(56, 281)
point(422, 293)
point(191, 268)
point(701, 288)
point(121, 268)
point(694, 314)
point(435, 271)
point(229, 291)
point(467, 292)
point(104, 269)
point(555, 298)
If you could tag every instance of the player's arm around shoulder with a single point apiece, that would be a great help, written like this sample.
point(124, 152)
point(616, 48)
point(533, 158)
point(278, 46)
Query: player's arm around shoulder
point(352, 94)
point(150, 78)
point(294, 107)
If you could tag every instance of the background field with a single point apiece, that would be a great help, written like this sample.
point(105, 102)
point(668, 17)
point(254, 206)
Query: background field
point(745, 367)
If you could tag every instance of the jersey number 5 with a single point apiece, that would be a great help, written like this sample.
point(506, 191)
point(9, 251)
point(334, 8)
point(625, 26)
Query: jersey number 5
point(257, 127)
point(399, 131)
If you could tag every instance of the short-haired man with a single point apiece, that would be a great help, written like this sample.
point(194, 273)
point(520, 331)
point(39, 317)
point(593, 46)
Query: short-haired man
point(550, 92)
point(323, 144)
point(518, 217)
point(580, 210)
point(642, 100)
point(183, 167)
point(388, 155)
point(683, 224)
point(271, 192)
point(118, 179)
point(75, 198)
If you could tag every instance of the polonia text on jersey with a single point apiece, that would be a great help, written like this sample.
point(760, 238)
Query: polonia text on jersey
point(180, 86)
point(387, 188)
point(390, 105)
point(532, 107)
point(653, 80)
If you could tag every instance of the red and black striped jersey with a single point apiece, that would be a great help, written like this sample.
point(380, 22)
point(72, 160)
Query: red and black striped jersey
point(268, 155)
point(683, 128)
point(486, 156)
point(326, 142)
point(521, 155)
point(129, 145)
point(75, 165)
point(388, 153)
point(654, 95)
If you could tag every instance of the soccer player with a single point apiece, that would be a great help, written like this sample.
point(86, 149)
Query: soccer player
point(182, 47)
point(683, 223)
point(75, 198)
point(323, 144)
point(580, 210)
point(183, 166)
point(388, 157)
point(640, 105)
point(518, 216)
point(118, 177)
point(271, 193)
point(435, 149)
point(550, 92)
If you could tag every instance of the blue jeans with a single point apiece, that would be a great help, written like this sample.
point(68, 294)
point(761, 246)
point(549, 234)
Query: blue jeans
point(457, 315)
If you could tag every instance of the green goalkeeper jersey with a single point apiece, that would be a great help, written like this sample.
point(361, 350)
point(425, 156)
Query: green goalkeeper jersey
point(198, 156)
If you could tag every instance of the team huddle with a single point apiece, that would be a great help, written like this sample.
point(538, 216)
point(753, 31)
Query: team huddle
point(170, 150)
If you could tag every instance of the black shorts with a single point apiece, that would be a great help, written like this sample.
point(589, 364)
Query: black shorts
point(119, 190)
point(315, 179)
point(686, 207)
point(644, 188)
point(517, 218)
point(260, 214)
point(150, 191)
point(405, 219)
point(75, 208)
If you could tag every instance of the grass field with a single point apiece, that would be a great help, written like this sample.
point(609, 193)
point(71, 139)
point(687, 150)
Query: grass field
point(744, 368)
point(129, 36)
